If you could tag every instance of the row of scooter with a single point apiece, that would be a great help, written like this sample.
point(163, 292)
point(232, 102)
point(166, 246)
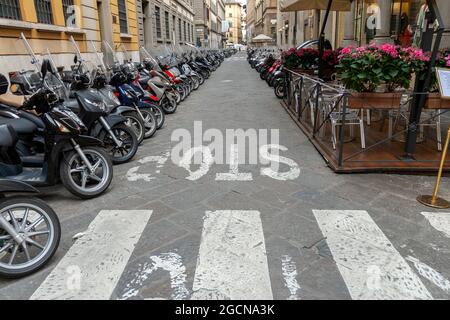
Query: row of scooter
point(71, 126)
point(267, 62)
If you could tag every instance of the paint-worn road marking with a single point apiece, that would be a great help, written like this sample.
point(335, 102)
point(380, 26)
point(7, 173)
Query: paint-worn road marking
point(440, 221)
point(93, 265)
point(429, 273)
point(232, 261)
point(171, 262)
point(370, 265)
point(289, 271)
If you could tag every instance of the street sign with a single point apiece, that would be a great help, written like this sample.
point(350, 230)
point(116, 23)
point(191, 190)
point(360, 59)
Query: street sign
point(443, 76)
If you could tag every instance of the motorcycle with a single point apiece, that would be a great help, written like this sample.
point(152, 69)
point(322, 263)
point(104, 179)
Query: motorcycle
point(119, 139)
point(79, 161)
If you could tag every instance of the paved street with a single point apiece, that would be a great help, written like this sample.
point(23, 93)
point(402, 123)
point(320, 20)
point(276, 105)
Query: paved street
point(317, 236)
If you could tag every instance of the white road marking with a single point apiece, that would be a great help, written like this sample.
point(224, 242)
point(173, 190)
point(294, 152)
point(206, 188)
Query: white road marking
point(440, 221)
point(207, 161)
point(429, 273)
point(171, 262)
point(368, 262)
point(234, 174)
point(133, 175)
point(275, 159)
point(232, 261)
point(96, 261)
point(289, 270)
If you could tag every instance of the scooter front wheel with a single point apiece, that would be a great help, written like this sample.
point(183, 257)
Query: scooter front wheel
point(128, 143)
point(279, 90)
point(135, 122)
point(150, 122)
point(39, 227)
point(169, 105)
point(79, 179)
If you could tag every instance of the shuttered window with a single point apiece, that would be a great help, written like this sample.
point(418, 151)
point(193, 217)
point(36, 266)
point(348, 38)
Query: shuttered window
point(167, 22)
point(10, 9)
point(44, 11)
point(69, 13)
point(123, 16)
point(158, 22)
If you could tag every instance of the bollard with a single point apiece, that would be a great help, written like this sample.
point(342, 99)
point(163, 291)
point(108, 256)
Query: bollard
point(434, 201)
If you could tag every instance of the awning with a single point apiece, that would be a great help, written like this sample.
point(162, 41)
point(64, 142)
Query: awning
point(302, 5)
point(262, 37)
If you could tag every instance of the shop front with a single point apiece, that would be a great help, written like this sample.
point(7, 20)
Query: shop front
point(396, 21)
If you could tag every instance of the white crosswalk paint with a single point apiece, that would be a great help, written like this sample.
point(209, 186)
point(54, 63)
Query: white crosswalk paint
point(93, 265)
point(429, 273)
point(232, 261)
point(171, 262)
point(289, 270)
point(440, 221)
point(368, 262)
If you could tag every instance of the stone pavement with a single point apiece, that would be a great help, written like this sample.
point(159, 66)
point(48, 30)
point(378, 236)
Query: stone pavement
point(319, 236)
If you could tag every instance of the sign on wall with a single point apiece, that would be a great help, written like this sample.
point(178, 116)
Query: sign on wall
point(443, 76)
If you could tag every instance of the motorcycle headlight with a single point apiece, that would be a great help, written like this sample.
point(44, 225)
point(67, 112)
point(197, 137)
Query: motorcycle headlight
point(62, 128)
point(113, 97)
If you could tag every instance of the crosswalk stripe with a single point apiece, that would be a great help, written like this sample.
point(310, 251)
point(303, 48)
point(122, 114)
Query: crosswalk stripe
point(368, 262)
point(232, 261)
point(440, 221)
point(93, 265)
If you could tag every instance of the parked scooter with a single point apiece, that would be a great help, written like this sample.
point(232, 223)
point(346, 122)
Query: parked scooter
point(80, 161)
point(125, 93)
point(119, 139)
point(29, 229)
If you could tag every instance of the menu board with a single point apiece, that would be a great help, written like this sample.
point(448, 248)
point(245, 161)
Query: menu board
point(443, 76)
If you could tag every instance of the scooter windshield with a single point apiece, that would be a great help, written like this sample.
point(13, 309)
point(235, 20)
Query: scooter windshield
point(146, 56)
point(53, 79)
point(109, 56)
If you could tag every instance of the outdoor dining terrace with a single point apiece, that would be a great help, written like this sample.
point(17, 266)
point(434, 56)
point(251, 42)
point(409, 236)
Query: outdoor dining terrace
point(360, 133)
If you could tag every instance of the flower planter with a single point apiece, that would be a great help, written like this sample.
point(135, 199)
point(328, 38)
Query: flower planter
point(374, 100)
point(434, 101)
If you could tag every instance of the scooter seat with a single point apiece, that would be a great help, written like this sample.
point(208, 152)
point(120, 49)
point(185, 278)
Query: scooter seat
point(12, 100)
point(8, 137)
point(33, 118)
point(21, 126)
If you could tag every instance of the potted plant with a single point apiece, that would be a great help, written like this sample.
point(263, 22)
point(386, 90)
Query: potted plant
point(378, 75)
point(301, 60)
point(434, 100)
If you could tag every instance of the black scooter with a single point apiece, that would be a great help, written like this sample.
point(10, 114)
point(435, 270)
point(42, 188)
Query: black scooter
point(119, 139)
point(29, 229)
point(80, 161)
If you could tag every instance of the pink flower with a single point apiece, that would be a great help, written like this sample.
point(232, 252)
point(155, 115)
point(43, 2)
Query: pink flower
point(346, 50)
point(390, 49)
point(447, 61)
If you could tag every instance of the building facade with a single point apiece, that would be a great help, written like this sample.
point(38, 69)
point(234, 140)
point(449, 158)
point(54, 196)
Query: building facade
point(208, 23)
point(165, 22)
point(234, 17)
point(266, 18)
point(250, 21)
point(369, 21)
point(48, 24)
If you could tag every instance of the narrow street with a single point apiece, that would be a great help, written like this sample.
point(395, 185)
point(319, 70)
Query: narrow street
point(307, 236)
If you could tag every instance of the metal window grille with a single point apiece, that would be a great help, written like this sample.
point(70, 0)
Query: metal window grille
point(10, 9)
point(166, 16)
point(158, 22)
point(69, 12)
point(179, 29)
point(44, 11)
point(123, 16)
point(184, 26)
